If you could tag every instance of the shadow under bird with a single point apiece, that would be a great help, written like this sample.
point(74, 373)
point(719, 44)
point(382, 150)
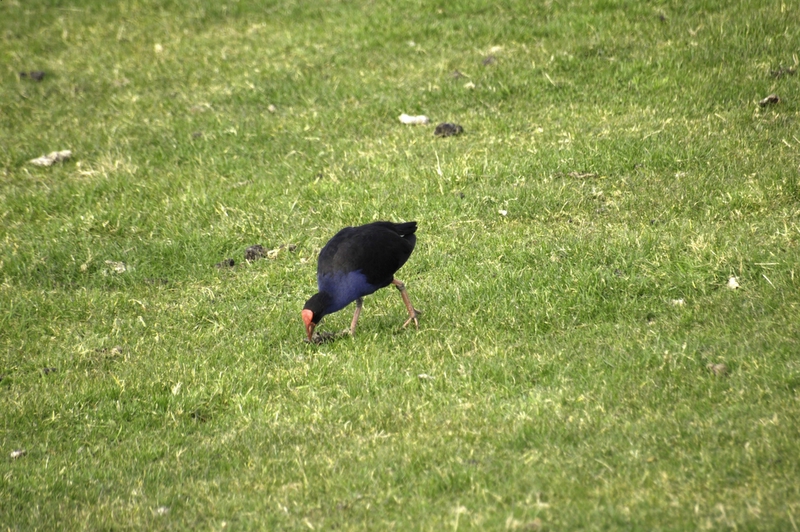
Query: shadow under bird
point(356, 262)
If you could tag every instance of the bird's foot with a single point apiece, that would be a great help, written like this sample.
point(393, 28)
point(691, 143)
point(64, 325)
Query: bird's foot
point(414, 319)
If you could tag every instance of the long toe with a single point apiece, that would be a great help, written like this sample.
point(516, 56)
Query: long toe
point(413, 318)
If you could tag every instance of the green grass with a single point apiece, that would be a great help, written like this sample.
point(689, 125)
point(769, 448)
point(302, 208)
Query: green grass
point(553, 383)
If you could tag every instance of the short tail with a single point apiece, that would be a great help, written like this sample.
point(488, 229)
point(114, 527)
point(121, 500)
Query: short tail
point(405, 229)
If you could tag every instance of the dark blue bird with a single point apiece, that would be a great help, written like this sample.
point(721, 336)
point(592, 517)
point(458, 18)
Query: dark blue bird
point(356, 262)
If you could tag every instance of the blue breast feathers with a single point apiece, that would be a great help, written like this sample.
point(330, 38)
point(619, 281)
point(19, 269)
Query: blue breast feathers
point(345, 288)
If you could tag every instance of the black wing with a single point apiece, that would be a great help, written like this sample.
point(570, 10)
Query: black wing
point(378, 250)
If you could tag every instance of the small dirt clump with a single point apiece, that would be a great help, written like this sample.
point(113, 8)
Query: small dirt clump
point(447, 129)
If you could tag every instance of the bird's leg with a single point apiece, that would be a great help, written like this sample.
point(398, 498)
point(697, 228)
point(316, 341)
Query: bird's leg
point(412, 312)
point(359, 304)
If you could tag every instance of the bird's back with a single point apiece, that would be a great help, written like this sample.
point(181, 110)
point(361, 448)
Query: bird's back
point(376, 250)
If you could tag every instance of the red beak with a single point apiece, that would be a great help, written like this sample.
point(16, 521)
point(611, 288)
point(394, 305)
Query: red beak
point(307, 317)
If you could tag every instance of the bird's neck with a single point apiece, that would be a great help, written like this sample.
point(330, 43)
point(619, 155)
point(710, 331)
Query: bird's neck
point(320, 303)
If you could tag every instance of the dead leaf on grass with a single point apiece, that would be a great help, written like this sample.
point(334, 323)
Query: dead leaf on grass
point(720, 370)
point(273, 253)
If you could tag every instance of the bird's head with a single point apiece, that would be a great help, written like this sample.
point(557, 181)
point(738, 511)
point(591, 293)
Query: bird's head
point(314, 310)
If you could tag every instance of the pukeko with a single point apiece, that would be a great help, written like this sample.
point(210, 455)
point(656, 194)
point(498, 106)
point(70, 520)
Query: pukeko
point(356, 262)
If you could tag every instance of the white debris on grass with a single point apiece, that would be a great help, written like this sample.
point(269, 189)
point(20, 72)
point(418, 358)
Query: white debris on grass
point(469, 85)
point(733, 284)
point(769, 100)
point(51, 158)
point(18, 453)
point(678, 302)
point(116, 267)
point(425, 377)
point(413, 120)
point(162, 510)
point(503, 212)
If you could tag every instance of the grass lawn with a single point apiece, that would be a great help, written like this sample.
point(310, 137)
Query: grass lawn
point(581, 363)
